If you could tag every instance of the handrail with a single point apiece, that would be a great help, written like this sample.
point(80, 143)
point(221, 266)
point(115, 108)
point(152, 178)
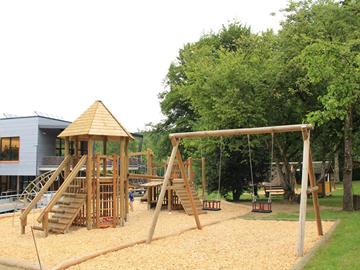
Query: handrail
point(44, 188)
point(34, 186)
point(63, 187)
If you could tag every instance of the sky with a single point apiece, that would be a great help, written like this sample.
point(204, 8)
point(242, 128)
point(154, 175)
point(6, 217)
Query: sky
point(58, 57)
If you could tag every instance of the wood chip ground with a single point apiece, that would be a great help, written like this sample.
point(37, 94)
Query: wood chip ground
point(231, 244)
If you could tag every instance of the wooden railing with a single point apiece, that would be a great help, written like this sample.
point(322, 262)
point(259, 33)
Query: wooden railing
point(24, 214)
point(78, 186)
point(62, 189)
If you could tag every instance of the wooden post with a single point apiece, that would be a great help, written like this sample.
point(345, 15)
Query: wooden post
point(314, 192)
point(169, 198)
point(126, 178)
point(189, 169)
point(122, 181)
point(23, 222)
point(149, 196)
point(104, 152)
point(162, 192)
point(115, 176)
point(45, 223)
point(303, 198)
point(149, 161)
point(187, 185)
point(76, 150)
point(67, 153)
point(89, 178)
point(97, 190)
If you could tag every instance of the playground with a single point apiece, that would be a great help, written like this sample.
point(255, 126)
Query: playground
point(228, 240)
point(89, 224)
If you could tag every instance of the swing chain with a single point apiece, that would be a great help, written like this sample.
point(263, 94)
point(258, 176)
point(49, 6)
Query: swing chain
point(251, 170)
point(220, 163)
point(271, 162)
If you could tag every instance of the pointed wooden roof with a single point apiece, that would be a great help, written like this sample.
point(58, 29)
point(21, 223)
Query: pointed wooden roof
point(97, 121)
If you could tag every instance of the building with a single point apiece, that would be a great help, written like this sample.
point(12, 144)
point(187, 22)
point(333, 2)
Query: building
point(28, 146)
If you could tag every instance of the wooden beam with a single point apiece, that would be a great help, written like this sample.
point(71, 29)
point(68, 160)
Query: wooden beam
point(114, 202)
point(122, 182)
point(45, 223)
point(76, 150)
point(162, 192)
point(241, 131)
point(104, 153)
point(149, 161)
point(149, 196)
point(187, 184)
point(189, 170)
point(97, 190)
point(133, 154)
point(144, 176)
point(169, 198)
point(89, 180)
point(126, 178)
point(303, 198)
point(67, 153)
point(314, 191)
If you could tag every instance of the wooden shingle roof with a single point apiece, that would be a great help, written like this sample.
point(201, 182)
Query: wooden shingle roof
point(97, 121)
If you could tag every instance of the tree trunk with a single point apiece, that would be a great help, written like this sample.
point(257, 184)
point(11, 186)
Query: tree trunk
point(336, 167)
point(236, 194)
point(323, 171)
point(347, 179)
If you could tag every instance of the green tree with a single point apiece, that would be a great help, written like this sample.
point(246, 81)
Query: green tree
point(323, 37)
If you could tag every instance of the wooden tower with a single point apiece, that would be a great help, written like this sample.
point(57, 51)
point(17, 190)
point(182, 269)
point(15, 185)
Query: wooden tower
point(95, 188)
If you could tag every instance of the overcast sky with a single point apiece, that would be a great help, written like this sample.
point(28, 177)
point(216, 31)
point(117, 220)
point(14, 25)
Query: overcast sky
point(58, 57)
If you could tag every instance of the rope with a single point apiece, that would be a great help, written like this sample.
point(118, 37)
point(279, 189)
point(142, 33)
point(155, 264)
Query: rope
point(220, 162)
point(271, 162)
point(251, 170)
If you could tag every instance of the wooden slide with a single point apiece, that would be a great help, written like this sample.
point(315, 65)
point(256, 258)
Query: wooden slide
point(179, 187)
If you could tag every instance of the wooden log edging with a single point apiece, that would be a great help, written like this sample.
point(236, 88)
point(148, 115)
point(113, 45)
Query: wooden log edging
point(20, 264)
point(78, 260)
point(304, 260)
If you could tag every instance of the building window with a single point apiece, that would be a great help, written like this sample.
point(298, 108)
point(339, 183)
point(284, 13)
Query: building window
point(9, 147)
point(60, 147)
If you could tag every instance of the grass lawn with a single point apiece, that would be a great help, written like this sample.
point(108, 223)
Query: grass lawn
point(343, 249)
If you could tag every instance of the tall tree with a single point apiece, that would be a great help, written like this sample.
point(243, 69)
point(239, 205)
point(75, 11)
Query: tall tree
point(326, 42)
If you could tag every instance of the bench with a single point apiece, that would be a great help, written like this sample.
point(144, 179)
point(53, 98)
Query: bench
point(273, 190)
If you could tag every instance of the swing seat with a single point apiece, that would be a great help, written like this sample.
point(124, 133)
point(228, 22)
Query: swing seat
point(261, 207)
point(211, 205)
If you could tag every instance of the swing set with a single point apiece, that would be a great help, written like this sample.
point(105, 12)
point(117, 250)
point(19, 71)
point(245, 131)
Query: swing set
point(307, 174)
point(258, 206)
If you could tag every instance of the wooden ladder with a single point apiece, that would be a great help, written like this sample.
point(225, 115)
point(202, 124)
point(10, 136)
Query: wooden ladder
point(66, 204)
point(65, 211)
point(179, 187)
point(50, 178)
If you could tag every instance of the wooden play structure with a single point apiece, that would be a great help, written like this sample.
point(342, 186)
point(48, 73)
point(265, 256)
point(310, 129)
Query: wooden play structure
point(95, 187)
point(175, 196)
point(307, 174)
